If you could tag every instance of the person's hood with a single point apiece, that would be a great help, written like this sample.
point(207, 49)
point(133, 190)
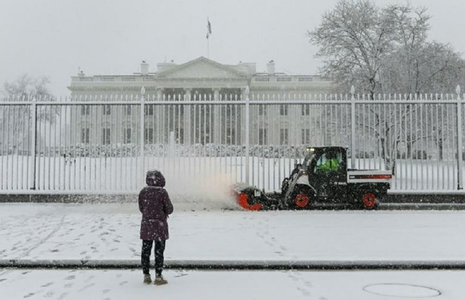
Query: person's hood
point(155, 178)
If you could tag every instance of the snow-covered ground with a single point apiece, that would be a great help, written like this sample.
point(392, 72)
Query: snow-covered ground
point(109, 233)
point(124, 174)
point(232, 285)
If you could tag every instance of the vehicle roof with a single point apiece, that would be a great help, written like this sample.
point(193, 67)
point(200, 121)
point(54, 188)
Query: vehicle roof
point(328, 147)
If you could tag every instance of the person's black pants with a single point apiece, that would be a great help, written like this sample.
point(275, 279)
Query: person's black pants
point(159, 258)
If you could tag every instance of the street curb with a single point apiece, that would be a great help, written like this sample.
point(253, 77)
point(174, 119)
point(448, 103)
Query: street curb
point(240, 264)
point(421, 206)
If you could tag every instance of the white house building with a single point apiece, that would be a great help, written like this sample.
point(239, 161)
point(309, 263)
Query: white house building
point(202, 80)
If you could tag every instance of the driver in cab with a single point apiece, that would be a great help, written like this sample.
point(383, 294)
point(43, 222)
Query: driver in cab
point(328, 162)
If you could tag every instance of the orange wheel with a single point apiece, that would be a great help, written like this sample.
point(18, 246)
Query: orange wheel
point(369, 200)
point(243, 201)
point(301, 200)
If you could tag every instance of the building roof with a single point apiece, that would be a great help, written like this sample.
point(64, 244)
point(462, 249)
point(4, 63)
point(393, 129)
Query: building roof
point(201, 73)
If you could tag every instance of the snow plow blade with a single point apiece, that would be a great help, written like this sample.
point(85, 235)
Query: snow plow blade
point(248, 197)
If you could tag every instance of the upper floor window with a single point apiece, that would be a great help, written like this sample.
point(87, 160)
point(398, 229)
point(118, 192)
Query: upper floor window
point(106, 110)
point(128, 110)
point(85, 110)
point(305, 109)
point(148, 110)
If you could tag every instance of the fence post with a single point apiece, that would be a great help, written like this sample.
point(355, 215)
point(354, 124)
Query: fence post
point(34, 141)
point(459, 139)
point(142, 134)
point(352, 108)
point(247, 134)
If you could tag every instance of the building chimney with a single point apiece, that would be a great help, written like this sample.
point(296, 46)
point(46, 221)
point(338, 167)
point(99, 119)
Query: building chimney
point(144, 68)
point(270, 67)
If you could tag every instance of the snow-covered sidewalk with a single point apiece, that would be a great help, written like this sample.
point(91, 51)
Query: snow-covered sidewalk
point(247, 285)
point(109, 233)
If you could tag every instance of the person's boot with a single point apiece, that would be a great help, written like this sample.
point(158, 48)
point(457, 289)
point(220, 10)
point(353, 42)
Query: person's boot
point(159, 280)
point(147, 279)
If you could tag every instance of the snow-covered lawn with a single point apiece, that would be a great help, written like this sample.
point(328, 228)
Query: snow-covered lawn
point(109, 232)
point(183, 174)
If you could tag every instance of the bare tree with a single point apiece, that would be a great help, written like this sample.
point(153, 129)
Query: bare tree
point(16, 120)
point(385, 50)
point(433, 68)
point(354, 40)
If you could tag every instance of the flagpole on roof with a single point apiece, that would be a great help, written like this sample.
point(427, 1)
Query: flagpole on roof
point(209, 32)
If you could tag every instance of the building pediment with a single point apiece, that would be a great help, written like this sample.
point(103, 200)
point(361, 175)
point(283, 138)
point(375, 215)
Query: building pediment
point(201, 68)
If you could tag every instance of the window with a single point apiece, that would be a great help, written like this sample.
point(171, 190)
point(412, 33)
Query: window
point(148, 110)
point(127, 110)
point(85, 110)
point(230, 136)
point(149, 135)
point(85, 135)
point(262, 110)
point(180, 135)
point(284, 136)
point(283, 110)
point(127, 135)
point(106, 110)
point(330, 161)
point(262, 136)
point(306, 136)
point(106, 136)
point(305, 110)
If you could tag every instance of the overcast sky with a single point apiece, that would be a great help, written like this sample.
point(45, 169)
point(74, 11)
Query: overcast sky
point(57, 37)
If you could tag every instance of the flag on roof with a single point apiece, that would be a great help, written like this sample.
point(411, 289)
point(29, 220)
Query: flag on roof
point(209, 28)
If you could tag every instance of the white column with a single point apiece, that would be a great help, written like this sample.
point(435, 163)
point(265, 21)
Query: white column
point(218, 126)
point(187, 118)
point(243, 118)
point(158, 122)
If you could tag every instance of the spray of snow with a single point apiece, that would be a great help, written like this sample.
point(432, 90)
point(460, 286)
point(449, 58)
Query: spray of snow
point(204, 191)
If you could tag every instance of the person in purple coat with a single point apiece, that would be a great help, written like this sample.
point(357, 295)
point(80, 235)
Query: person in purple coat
point(155, 206)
